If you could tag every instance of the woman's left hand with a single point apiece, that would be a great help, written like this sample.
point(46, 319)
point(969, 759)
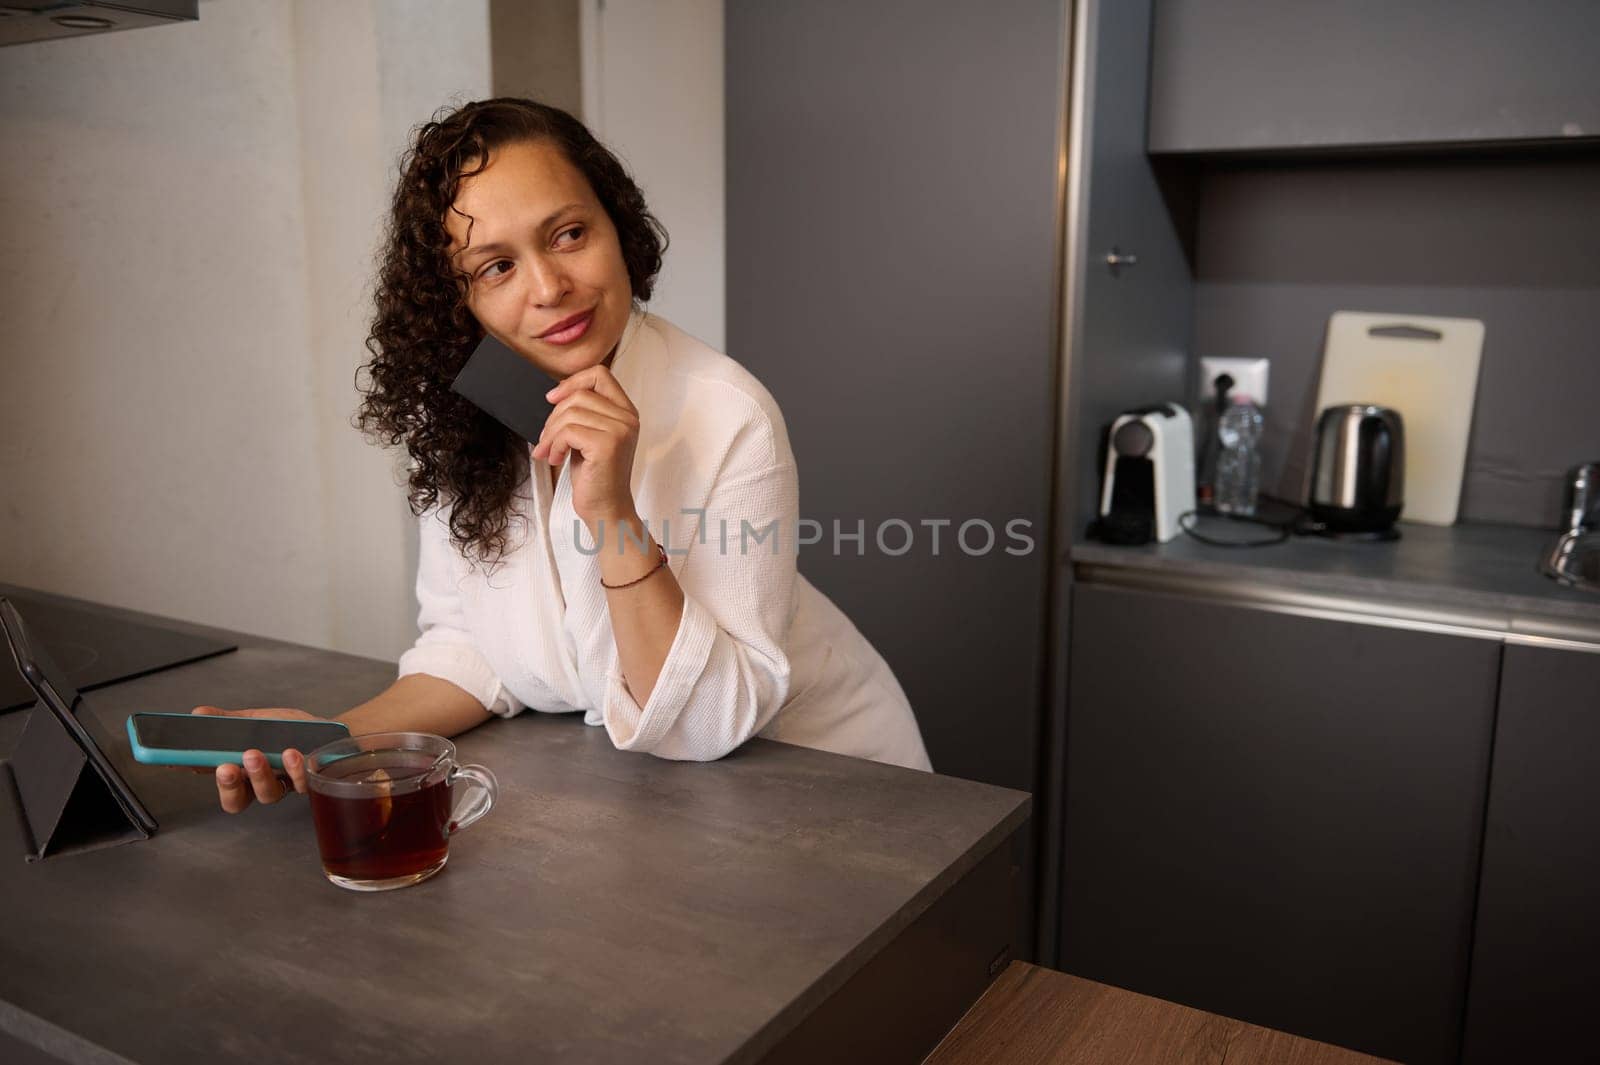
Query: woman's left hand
point(598, 425)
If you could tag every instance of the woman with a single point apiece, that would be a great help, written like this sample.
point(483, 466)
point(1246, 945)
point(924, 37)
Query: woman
point(541, 580)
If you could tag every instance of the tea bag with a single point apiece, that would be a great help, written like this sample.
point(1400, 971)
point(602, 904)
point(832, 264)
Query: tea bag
point(383, 797)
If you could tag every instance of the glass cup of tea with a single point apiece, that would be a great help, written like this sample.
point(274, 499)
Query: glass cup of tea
point(383, 809)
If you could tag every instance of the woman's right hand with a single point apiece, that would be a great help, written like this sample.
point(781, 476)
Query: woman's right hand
point(256, 780)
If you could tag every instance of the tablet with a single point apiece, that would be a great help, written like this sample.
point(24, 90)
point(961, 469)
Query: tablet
point(60, 698)
point(92, 647)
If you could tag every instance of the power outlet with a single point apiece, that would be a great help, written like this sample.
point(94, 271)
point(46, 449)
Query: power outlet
point(1249, 377)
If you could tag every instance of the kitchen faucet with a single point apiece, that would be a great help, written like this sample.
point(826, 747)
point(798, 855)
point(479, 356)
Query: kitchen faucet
point(1575, 558)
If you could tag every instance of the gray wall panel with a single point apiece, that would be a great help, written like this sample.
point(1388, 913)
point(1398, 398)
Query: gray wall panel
point(1513, 243)
point(534, 50)
point(891, 262)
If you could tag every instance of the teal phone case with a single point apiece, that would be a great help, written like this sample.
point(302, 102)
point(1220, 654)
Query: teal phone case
point(170, 756)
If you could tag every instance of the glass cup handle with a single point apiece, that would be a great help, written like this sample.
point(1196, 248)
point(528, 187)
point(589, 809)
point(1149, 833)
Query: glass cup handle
point(479, 798)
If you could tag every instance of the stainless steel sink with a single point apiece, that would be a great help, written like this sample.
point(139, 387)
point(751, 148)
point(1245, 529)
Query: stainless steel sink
point(1575, 561)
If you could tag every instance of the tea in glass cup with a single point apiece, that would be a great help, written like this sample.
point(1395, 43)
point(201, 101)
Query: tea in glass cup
point(383, 806)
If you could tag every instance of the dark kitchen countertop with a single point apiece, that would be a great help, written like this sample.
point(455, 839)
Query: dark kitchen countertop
point(1488, 573)
point(612, 907)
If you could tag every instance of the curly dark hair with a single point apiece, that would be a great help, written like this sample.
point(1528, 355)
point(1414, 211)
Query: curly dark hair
point(422, 331)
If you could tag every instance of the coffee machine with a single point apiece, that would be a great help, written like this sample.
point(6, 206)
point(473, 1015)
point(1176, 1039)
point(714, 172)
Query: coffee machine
point(1148, 482)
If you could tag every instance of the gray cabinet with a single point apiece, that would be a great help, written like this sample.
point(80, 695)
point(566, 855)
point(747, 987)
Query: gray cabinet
point(1274, 75)
point(1125, 329)
point(892, 244)
point(1276, 818)
point(892, 179)
point(1538, 929)
point(1131, 287)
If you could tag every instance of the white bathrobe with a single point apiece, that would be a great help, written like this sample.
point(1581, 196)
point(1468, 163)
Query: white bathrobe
point(759, 651)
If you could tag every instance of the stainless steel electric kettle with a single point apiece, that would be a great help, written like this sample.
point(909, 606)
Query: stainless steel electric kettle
point(1358, 470)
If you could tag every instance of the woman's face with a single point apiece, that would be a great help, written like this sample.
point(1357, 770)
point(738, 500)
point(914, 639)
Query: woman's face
point(548, 278)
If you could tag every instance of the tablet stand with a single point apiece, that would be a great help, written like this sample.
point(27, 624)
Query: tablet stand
point(63, 802)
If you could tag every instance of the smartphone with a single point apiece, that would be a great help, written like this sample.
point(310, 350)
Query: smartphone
point(204, 740)
point(508, 387)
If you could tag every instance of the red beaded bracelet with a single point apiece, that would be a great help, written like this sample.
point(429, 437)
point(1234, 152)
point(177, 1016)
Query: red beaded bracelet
point(661, 560)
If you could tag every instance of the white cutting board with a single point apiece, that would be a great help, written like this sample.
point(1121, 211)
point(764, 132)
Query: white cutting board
point(1425, 368)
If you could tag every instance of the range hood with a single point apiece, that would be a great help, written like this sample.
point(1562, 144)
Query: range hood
point(22, 21)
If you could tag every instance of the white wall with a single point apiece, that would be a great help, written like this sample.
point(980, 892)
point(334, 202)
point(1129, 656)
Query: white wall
point(652, 79)
point(191, 213)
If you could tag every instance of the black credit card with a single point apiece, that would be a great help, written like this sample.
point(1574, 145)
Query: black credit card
point(508, 387)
